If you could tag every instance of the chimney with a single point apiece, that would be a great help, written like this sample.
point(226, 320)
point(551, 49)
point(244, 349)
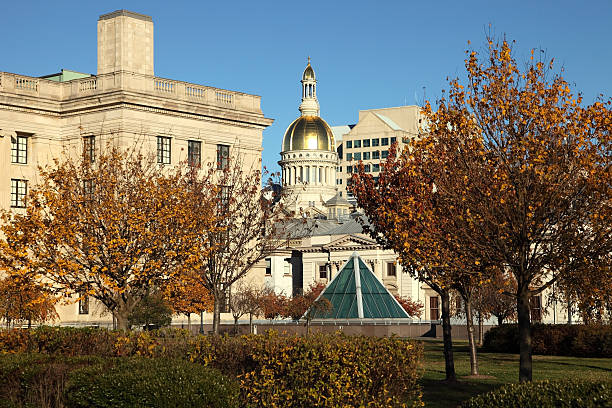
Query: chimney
point(125, 43)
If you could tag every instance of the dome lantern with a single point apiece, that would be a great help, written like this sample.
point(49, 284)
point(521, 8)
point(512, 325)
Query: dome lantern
point(310, 104)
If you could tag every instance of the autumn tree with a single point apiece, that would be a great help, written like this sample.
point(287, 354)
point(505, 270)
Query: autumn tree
point(186, 295)
point(152, 311)
point(248, 299)
point(23, 300)
point(494, 297)
point(111, 229)
point(526, 168)
point(248, 227)
point(403, 214)
point(412, 308)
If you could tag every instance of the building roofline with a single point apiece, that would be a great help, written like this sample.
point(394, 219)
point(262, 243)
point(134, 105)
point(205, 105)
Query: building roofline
point(125, 13)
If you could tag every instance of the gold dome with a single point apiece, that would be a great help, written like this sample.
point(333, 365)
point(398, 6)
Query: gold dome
point(309, 133)
point(308, 72)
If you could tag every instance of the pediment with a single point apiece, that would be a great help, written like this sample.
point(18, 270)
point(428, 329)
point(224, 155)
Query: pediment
point(351, 242)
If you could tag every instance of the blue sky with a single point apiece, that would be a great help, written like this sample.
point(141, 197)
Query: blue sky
point(366, 54)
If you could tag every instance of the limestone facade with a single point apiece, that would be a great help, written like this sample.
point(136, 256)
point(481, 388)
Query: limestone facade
point(124, 103)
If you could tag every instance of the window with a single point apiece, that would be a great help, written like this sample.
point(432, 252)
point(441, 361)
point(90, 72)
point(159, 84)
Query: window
point(366, 155)
point(194, 153)
point(338, 181)
point(376, 155)
point(393, 140)
point(349, 169)
point(391, 269)
point(366, 142)
point(19, 149)
point(268, 266)
point(366, 168)
point(19, 189)
point(224, 197)
point(376, 180)
point(385, 154)
point(84, 304)
point(375, 142)
point(339, 169)
point(349, 144)
point(349, 156)
point(376, 167)
point(384, 141)
point(340, 156)
point(535, 304)
point(357, 144)
point(89, 148)
point(357, 156)
point(163, 150)
point(434, 309)
point(322, 271)
point(222, 157)
point(89, 187)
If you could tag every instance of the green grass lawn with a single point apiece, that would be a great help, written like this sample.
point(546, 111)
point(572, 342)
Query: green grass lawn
point(501, 368)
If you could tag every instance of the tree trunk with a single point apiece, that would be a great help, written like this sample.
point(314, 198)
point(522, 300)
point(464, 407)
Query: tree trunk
point(121, 316)
point(447, 336)
point(216, 313)
point(307, 326)
point(569, 312)
point(236, 321)
point(470, 331)
point(251, 323)
point(524, 323)
point(480, 329)
point(29, 323)
point(189, 323)
point(500, 320)
point(202, 322)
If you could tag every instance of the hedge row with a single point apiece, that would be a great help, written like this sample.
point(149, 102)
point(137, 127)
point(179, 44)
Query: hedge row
point(556, 394)
point(272, 370)
point(318, 370)
point(69, 341)
point(39, 380)
point(558, 340)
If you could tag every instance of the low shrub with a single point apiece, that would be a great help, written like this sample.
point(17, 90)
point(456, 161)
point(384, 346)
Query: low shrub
point(556, 394)
point(142, 382)
point(554, 339)
point(69, 341)
point(36, 380)
point(320, 370)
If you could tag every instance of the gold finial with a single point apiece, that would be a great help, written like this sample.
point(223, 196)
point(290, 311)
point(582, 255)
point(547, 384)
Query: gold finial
point(309, 60)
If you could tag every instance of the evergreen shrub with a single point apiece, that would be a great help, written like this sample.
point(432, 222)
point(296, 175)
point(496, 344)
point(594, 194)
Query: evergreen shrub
point(554, 394)
point(576, 340)
point(143, 382)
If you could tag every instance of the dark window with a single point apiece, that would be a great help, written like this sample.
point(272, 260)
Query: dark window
point(357, 144)
point(366, 168)
point(194, 153)
point(322, 271)
point(340, 156)
point(376, 167)
point(375, 142)
point(268, 267)
point(349, 144)
point(349, 156)
point(376, 180)
point(391, 269)
point(535, 303)
point(385, 154)
point(393, 140)
point(434, 310)
point(376, 155)
point(366, 142)
point(163, 150)
point(19, 149)
point(366, 155)
point(19, 190)
point(222, 156)
point(89, 148)
point(224, 197)
point(357, 155)
point(349, 169)
point(384, 141)
point(84, 304)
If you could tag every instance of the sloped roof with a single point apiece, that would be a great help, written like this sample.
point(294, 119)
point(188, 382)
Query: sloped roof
point(337, 200)
point(388, 121)
point(356, 293)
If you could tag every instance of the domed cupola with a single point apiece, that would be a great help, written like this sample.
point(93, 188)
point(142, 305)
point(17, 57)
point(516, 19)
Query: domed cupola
point(308, 154)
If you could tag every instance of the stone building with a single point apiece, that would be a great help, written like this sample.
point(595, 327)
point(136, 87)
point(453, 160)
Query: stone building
point(126, 104)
